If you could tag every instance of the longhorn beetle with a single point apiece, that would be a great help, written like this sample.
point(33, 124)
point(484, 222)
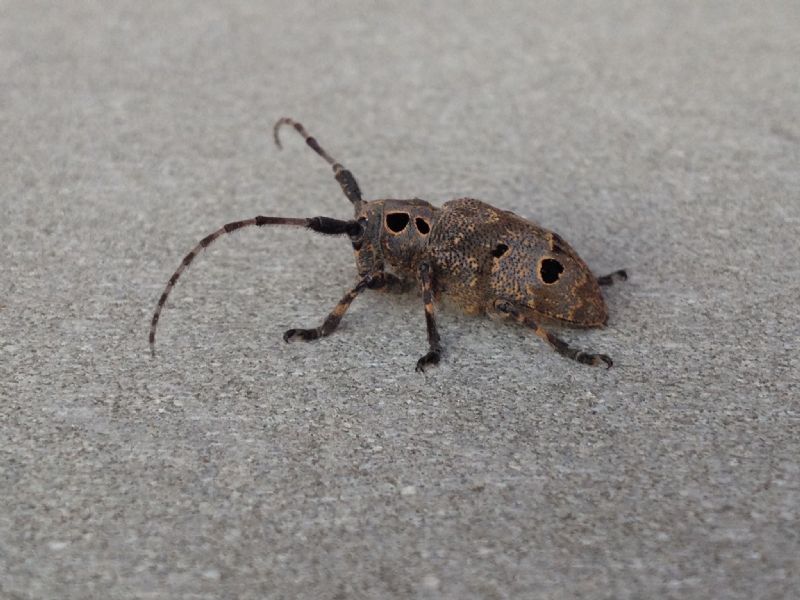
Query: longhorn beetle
point(489, 261)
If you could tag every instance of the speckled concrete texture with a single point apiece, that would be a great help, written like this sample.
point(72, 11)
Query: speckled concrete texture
point(663, 138)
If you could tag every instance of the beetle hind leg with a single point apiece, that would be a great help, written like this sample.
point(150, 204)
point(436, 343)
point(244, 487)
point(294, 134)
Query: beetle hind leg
point(620, 274)
point(586, 358)
point(564, 349)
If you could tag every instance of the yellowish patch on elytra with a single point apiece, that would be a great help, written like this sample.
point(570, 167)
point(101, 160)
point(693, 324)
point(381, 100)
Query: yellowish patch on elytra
point(471, 308)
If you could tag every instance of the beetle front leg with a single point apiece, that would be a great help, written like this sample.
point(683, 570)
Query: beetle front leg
point(332, 320)
point(434, 347)
point(556, 343)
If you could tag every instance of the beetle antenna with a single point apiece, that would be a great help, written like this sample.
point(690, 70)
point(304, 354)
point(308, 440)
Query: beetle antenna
point(324, 225)
point(345, 178)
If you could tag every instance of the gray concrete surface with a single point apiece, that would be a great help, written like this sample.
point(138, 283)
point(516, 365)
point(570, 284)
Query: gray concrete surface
point(662, 138)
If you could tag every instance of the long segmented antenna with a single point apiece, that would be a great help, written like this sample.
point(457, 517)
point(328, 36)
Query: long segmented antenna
point(310, 140)
point(319, 224)
point(345, 178)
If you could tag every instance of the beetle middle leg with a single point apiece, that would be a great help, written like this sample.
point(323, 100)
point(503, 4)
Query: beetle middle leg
point(559, 345)
point(345, 178)
point(434, 346)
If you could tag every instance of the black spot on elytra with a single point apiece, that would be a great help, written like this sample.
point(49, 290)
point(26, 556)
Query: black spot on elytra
point(499, 250)
point(397, 221)
point(550, 270)
point(422, 226)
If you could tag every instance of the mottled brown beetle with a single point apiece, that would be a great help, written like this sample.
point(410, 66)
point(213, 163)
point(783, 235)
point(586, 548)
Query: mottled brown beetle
point(487, 260)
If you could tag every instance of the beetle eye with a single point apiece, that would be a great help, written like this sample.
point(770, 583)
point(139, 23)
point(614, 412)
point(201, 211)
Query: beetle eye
point(396, 222)
point(550, 270)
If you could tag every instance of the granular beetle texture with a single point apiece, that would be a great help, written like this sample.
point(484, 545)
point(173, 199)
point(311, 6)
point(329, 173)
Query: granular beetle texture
point(486, 260)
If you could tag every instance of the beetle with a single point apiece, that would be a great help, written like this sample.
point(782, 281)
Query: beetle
point(487, 260)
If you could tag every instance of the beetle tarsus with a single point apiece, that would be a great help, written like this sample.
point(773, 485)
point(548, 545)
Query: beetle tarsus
point(621, 274)
point(431, 358)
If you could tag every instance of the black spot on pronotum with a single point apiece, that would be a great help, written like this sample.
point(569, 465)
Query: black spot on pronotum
point(499, 250)
point(422, 226)
point(397, 221)
point(550, 270)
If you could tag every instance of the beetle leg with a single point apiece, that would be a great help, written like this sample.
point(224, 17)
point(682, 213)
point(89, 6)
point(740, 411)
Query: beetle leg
point(554, 341)
point(332, 320)
point(622, 275)
point(391, 284)
point(565, 349)
point(434, 347)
